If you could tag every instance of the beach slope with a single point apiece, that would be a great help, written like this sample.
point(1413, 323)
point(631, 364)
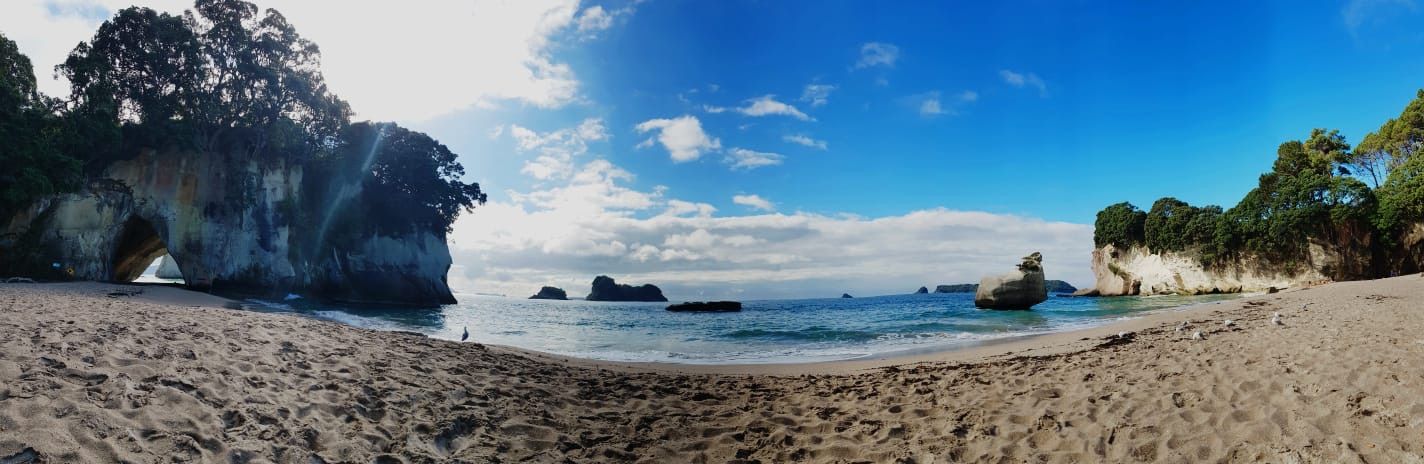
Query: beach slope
point(101, 373)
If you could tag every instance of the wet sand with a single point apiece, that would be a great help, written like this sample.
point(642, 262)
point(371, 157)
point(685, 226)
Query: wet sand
point(100, 373)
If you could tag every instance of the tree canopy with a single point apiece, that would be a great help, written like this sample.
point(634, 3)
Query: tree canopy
point(31, 163)
point(222, 78)
point(1316, 190)
point(220, 75)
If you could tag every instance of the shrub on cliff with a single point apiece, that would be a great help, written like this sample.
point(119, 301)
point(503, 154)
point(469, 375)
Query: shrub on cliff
point(1121, 225)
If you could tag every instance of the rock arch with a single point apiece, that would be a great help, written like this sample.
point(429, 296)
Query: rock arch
point(138, 243)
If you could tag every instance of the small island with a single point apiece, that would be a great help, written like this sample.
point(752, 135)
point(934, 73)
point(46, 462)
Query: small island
point(550, 293)
point(846, 295)
point(606, 289)
point(706, 307)
point(922, 291)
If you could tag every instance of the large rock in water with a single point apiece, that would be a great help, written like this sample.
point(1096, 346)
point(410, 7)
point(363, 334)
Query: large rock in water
point(232, 224)
point(550, 293)
point(605, 289)
point(1020, 289)
point(167, 269)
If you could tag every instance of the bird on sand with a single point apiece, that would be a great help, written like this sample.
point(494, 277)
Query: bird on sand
point(466, 336)
point(1182, 326)
point(1276, 320)
point(1228, 322)
point(1197, 336)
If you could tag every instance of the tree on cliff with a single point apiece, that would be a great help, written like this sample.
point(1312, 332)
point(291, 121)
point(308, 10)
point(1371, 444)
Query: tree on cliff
point(219, 78)
point(1390, 147)
point(31, 165)
point(402, 179)
point(1121, 225)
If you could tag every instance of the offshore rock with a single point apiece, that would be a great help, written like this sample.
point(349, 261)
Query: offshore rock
point(605, 289)
point(550, 293)
point(706, 307)
point(167, 269)
point(1020, 289)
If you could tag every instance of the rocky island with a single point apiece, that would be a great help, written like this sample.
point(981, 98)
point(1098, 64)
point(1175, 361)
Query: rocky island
point(605, 289)
point(550, 293)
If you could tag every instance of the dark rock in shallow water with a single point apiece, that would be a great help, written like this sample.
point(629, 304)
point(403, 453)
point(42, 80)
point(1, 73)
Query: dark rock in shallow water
point(710, 307)
point(550, 293)
point(605, 289)
point(846, 295)
point(922, 291)
point(1087, 292)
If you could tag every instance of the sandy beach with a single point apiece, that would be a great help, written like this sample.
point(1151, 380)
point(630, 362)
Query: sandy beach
point(116, 373)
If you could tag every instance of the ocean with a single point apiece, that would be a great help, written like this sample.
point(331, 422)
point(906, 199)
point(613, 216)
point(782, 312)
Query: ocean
point(767, 331)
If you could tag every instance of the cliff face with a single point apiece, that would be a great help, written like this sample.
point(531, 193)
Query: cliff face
point(230, 225)
point(1136, 271)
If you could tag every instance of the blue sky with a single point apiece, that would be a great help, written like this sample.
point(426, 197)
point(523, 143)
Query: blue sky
point(656, 141)
point(1196, 94)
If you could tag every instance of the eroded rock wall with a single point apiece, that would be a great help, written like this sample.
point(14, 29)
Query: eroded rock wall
point(230, 223)
point(1137, 271)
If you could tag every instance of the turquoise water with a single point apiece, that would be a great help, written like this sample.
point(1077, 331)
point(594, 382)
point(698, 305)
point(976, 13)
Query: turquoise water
point(767, 331)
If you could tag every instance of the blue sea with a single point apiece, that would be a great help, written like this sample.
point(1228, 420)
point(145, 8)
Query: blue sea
point(769, 331)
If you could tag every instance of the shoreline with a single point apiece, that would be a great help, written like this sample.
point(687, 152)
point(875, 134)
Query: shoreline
point(1044, 344)
point(977, 349)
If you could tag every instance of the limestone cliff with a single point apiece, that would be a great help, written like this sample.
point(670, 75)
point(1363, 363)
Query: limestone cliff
point(1137, 271)
point(230, 223)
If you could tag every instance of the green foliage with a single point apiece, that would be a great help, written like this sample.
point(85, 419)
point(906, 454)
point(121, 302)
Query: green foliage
point(1401, 198)
point(1396, 142)
point(31, 163)
point(404, 180)
point(1121, 225)
point(1172, 225)
point(224, 77)
point(220, 78)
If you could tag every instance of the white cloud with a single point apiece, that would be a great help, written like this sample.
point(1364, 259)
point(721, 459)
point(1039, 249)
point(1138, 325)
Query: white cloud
point(933, 103)
point(682, 208)
point(931, 106)
point(556, 149)
point(765, 105)
point(1022, 80)
point(817, 94)
point(754, 202)
point(594, 19)
point(877, 54)
point(445, 55)
point(683, 137)
point(592, 222)
point(744, 159)
point(804, 140)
